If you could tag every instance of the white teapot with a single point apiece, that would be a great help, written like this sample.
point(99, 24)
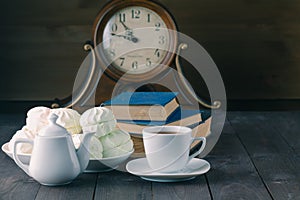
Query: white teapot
point(54, 159)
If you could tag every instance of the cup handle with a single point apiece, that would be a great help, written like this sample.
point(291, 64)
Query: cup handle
point(203, 139)
point(23, 166)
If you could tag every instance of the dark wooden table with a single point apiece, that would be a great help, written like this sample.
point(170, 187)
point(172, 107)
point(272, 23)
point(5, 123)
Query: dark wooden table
point(257, 157)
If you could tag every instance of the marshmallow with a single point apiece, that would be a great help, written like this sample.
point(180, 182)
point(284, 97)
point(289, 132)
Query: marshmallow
point(95, 147)
point(114, 139)
point(107, 141)
point(68, 118)
point(99, 120)
point(119, 150)
point(116, 143)
point(37, 118)
point(23, 147)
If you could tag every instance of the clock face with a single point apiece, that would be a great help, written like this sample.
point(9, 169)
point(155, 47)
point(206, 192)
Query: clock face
point(135, 40)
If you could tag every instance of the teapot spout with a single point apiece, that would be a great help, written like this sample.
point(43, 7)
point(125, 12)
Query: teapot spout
point(83, 154)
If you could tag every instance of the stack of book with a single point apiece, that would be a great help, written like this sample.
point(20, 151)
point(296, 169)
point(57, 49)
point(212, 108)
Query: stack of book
point(135, 111)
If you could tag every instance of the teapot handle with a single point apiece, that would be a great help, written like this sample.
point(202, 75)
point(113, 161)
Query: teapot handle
point(23, 166)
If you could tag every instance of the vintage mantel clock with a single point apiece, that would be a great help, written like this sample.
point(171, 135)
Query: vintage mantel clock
point(125, 25)
point(123, 31)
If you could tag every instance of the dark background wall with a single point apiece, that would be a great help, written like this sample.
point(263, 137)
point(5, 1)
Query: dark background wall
point(255, 44)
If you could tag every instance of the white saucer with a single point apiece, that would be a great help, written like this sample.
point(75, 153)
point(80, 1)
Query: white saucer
point(194, 168)
point(24, 157)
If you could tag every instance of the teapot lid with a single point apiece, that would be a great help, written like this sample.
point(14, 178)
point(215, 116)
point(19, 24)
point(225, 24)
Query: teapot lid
point(53, 129)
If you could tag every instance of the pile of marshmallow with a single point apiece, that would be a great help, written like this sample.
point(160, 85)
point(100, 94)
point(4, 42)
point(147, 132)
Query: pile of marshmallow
point(108, 141)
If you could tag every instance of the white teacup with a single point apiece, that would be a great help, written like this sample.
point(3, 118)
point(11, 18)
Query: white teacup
point(167, 147)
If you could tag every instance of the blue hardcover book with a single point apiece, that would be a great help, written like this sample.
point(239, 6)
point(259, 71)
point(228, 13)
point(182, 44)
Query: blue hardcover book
point(191, 116)
point(154, 106)
point(180, 117)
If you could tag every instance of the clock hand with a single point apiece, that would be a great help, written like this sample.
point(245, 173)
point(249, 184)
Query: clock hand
point(126, 27)
point(127, 37)
point(123, 36)
point(129, 32)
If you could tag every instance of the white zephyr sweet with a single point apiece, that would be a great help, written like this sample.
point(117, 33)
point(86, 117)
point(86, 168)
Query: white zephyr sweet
point(37, 118)
point(68, 118)
point(116, 143)
point(119, 150)
point(23, 147)
point(95, 147)
point(99, 120)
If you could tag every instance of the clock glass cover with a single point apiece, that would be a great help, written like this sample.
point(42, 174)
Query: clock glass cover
point(135, 40)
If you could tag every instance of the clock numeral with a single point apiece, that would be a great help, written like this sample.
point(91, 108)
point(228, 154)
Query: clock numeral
point(134, 65)
point(161, 39)
point(148, 62)
point(112, 52)
point(148, 18)
point(122, 17)
point(157, 26)
point(114, 27)
point(135, 14)
point(122, 61)
point(157, 53)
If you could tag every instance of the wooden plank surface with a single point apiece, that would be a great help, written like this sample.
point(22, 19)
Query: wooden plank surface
point(274, 159)
point(14, 183)
point(287, 124)
point(194, 189)
point(233, 175)
point(81, 188)
point(253, 159)
point(120, 185)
